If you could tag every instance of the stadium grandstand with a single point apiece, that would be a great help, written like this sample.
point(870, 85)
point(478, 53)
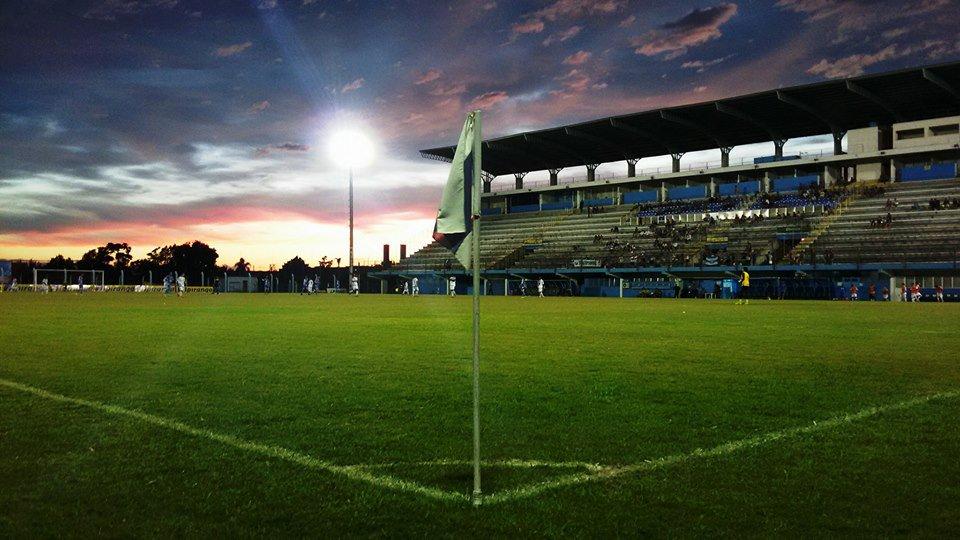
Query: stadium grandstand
point(884, 209)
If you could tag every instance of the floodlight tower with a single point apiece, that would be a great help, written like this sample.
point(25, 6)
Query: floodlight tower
point(351, 149)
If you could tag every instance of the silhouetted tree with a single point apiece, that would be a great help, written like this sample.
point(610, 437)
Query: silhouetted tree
point(61, 262)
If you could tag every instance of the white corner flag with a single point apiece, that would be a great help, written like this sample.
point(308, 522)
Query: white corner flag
point(457, 207)
point(458, 228)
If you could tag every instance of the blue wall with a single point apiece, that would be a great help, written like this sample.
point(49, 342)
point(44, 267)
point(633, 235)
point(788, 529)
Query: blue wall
point(692, 192)
point(791, 183)
point(517, 208)
point(634, 197)
point(491, 211)
point(598, 202)
point(561, 204)
point(933, 171)
point(772, 159)
point(727, 190)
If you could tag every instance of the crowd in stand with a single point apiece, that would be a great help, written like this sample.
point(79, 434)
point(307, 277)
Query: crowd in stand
point(712, 204)
point(884, 222)
point(872, 191)
point(946, 203)
point(812, 194)
point(668, 237)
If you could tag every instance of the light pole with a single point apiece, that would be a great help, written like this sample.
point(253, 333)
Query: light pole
point(351, 222)
point(351, 150)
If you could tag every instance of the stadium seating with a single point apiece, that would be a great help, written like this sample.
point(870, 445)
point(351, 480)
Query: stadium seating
point(639, 235)
point(916, 233)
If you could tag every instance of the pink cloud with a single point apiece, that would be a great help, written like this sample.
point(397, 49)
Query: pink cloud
point(574, 82)
point(350, 87)
point(576, 8)
point(859, 15)
point(230, 50)
point(430, 76)
point(856, 64)
point(533, 23)
point(695, 28)
point(560, 37)
point(577, 58)
point(702, 65)
point(488, 100)
point(532, 26)
point(628, 22)
point(259, 106)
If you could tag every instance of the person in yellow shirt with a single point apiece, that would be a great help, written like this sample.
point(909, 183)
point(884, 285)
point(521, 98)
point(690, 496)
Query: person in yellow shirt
point(744, 297)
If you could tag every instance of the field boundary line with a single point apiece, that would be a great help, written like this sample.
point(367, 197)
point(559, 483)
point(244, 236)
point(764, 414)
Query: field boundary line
point(594, 472)
point(352, 472)
point(719, 450)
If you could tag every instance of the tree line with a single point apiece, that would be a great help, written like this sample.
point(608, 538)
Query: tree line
point(194, 259)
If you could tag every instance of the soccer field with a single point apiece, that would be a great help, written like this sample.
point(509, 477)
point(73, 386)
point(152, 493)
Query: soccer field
point(124, 414)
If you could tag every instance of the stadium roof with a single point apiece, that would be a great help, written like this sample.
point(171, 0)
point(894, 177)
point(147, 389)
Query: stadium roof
point(833, 106)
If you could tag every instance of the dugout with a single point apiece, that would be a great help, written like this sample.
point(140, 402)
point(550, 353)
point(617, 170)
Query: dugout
point(241, 284)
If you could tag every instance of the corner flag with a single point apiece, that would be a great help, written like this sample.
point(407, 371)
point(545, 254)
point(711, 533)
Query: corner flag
point(458, 228)
point(457, 207)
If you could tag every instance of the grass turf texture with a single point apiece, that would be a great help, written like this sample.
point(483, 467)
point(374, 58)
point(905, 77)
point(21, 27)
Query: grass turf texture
point(384, 381)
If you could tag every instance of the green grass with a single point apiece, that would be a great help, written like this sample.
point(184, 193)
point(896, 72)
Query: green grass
point(386, 379)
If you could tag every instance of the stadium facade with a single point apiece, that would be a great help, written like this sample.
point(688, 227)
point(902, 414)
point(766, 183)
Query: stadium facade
point(882, 211)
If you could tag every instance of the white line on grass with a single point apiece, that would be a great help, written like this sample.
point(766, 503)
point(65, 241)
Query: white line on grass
point(723, 449)
point(352, 472)
point(594, 472)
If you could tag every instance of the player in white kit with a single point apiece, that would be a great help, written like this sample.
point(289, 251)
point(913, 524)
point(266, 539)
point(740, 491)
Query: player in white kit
point(540, 287)
point(415, 285)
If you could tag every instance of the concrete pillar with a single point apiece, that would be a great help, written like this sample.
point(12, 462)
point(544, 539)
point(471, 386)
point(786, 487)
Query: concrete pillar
point(487, 185)
point(725, 156)
point(778, 147)
point(631, 168)
point(838, 143)
point(403, 251)
point(506, 286)
point(766, 182)
point(663, 192)
point(829, 176)
point(592, 172)
point(518, 180)
point(676, 161)
point(621, 287)
point(554, 176)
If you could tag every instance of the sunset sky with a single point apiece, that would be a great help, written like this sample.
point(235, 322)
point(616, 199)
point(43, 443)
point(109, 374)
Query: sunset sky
point(160, 121)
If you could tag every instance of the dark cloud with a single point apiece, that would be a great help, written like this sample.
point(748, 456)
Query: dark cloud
point(695, 28)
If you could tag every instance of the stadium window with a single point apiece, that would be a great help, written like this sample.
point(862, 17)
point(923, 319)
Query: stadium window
point(945, 129)
point(904, 134)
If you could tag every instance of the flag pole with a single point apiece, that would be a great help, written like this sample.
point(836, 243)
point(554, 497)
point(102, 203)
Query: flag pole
point(475, 216)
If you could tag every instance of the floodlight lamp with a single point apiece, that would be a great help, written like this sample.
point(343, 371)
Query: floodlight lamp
point(351, 149)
